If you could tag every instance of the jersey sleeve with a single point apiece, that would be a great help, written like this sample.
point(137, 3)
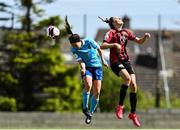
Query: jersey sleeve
point(94, 44)
point(108, 37)
point(76, 56)
point(131, 36)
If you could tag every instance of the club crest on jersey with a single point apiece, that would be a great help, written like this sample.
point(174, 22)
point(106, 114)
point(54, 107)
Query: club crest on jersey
point(75, 56)
point(106, 36)
point(123, 39)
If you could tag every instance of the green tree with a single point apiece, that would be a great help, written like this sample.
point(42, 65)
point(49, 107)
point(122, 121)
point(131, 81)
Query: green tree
point(31, 69)
point(30, 7)
point(32, 72)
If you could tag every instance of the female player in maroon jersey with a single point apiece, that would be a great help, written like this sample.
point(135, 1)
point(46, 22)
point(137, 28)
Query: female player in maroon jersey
point(116, 39)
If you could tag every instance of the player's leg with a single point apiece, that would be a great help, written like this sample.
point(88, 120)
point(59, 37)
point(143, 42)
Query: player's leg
point(133, 95)
point(86, 93)
point(127, 80)
point(133, 101)
point(97, 77)
point(123, 90)
point(120, 70)
point(94, 99)
point(95, 96)
point(87, 79)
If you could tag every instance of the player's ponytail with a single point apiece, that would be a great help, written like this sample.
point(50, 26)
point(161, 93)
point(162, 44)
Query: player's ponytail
point(104, 20)
point(73, 38)
point(109, 21)
point(68, 27)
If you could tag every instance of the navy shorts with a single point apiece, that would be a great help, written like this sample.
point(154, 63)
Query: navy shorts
point(118, 66)
point(95, 72)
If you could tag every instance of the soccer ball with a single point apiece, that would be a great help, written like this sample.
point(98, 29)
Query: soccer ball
point(53, 32)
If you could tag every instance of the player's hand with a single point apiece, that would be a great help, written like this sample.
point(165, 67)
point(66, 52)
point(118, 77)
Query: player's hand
point(83, 71)
point(105, 64)
point(118, 47)
point(147, 35)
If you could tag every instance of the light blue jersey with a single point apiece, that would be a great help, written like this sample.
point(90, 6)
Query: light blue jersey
point(88, 53)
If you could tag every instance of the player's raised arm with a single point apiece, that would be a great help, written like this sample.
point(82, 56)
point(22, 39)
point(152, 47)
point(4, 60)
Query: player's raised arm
point(142, 39)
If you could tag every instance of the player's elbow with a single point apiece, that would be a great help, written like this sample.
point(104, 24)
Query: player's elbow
point(139, 42)
point(104, 46)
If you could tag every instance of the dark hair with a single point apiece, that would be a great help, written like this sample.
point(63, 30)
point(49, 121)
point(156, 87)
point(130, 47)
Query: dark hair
point(109, 21)
point(67, 26)
point(74, 38)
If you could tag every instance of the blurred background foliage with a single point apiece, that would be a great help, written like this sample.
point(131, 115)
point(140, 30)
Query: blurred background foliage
point(34, 74)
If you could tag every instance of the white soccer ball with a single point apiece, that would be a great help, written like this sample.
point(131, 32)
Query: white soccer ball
point(53, 31)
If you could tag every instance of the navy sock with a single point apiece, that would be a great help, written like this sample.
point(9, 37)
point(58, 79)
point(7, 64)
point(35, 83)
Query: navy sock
point(133, 102)
point(122, 94)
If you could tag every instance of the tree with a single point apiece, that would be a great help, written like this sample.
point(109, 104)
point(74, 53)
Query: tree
point(32, 72)
point(31, 7)
point(35, 75)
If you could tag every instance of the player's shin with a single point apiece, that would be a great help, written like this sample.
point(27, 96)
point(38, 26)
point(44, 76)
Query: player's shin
point(85, 99)
point(122, 94)
point(133, 102)
point(94, 103)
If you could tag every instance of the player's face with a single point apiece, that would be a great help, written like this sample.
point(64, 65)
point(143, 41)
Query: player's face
point(117, 21)
point(76, 44)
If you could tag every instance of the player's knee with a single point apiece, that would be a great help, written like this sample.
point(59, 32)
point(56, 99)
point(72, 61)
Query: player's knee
point(133, 87)
point(88, 87)
point(96, 95)
point(128, 79)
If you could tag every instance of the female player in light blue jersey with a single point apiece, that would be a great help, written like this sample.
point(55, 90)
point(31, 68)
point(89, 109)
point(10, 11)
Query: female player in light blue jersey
point(90, 58)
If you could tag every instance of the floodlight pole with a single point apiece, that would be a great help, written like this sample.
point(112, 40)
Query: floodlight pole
point(158, 93)
point(163, 64)
point(12, 20)
point(85, 24)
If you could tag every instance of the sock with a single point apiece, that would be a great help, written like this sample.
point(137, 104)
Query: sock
point(94, 103)
point(133, 101)
point(122, 94)
point(85, 99)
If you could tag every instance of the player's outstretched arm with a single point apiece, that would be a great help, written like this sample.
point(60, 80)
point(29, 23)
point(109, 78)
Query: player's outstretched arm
point(143, 39)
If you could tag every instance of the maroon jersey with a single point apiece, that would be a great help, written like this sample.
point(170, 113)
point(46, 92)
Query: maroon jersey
point(121, 37)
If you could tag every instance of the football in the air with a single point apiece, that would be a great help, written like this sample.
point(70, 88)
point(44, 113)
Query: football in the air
point(53, 31)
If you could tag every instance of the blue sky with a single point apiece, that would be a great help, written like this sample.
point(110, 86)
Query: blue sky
point(143, 13)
